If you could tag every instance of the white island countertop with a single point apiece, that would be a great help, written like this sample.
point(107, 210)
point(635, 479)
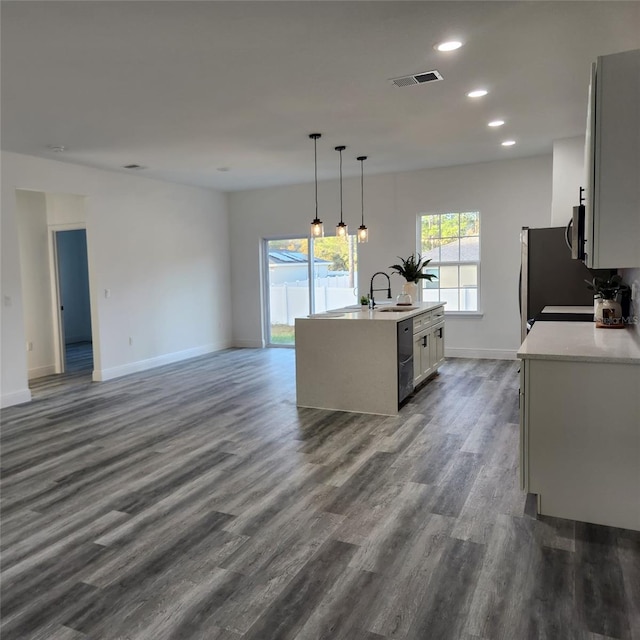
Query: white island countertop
point(581, 341)
point(381, 312)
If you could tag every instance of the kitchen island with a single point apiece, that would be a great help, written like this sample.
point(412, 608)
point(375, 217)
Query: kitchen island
point(348, 359)
point(580, 422)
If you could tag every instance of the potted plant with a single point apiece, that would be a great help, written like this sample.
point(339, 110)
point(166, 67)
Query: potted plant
point(608, 310)
point(412, 270)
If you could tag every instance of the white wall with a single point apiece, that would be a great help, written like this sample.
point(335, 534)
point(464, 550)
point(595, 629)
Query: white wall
point(33, 239)
point(568, 177)
point(66, 209)
point(509, 194)
point(161, 249)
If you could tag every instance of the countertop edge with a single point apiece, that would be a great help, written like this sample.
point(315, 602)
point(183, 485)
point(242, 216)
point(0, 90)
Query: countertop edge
point(580, 342)
point(577, 358)
point(373, 314)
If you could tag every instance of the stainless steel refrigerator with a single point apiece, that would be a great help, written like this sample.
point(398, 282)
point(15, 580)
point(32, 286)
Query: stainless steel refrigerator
point(549, 276)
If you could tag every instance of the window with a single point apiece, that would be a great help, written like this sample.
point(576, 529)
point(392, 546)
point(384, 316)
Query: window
point(452, 242)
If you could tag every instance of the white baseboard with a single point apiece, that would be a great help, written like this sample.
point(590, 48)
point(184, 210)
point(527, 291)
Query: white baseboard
point(489, 354)
point(39, 372)
point(15, 397)
point(248, 344)
point(101, 375)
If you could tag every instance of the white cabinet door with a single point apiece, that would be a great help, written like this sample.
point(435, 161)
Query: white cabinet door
point(524, 453)
point(580, 453)
point(422, 342)
point(417, 359)
point(428, 344)
point(427, 350)
point(612, 226)
point(437, 354)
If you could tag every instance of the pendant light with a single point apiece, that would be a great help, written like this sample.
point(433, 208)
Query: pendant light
point(363, 232)
point(341, 227)
point(317, 228)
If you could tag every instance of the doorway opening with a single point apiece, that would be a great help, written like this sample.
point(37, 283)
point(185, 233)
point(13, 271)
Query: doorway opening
point(55, 285)
point(73, 300)
point(288, 276)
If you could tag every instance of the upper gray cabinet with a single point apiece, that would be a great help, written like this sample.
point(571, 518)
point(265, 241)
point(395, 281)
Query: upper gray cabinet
point(612, 225)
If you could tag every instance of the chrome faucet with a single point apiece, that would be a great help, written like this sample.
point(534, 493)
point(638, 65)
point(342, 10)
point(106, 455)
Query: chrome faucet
point(372, 302)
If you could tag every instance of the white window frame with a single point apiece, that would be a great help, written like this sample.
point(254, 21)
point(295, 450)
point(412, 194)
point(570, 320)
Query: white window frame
point(433, 263)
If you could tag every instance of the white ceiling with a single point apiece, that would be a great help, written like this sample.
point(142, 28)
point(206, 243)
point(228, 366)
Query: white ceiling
point(186, 88)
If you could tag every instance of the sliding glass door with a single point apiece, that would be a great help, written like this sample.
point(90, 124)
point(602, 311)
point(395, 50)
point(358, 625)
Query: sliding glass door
point(289, 272)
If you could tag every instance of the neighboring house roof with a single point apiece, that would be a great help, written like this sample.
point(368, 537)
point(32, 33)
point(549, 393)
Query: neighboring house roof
point(469, 251)
point(282, 256)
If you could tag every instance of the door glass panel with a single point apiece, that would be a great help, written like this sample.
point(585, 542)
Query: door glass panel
point(288, 286)
point(335, 273)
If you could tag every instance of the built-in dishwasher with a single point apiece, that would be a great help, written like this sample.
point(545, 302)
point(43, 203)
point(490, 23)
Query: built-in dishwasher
point(405, 359)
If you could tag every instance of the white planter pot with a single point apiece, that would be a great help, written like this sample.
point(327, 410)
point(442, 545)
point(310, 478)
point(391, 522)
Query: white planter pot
point(411, 289)
point(608, 312)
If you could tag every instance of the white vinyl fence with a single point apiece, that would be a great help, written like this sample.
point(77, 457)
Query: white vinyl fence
point(290, 300)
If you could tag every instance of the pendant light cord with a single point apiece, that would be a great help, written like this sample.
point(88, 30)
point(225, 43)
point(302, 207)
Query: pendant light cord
point(340, 186)
point(362, 187)
point(315, 159)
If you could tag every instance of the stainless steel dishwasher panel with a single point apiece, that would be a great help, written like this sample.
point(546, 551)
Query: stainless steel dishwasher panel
point(405, 359)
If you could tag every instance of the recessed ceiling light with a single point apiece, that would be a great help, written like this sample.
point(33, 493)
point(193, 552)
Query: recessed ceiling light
point(450, 45)
point(478, 93)
point(496, 123)
point(58, 148)
point(508, 143)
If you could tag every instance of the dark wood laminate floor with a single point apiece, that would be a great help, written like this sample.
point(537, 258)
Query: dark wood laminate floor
point(196, 501)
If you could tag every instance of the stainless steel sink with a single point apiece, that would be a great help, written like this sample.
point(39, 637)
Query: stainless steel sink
point(396, 309)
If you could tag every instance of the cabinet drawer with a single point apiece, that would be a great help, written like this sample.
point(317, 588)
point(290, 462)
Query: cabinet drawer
point(421, 321)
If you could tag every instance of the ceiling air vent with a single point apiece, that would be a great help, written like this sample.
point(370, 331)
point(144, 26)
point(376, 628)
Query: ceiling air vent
point(418, 78)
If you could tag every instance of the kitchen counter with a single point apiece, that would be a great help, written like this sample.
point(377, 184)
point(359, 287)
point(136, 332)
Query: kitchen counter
point(353, 314)
point(580, 341)
point(584, 310)
point(580, 422)
point(348, 359)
